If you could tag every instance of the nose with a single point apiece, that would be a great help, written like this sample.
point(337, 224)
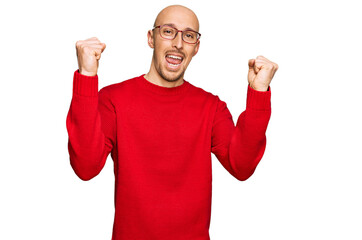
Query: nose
point(177, 42)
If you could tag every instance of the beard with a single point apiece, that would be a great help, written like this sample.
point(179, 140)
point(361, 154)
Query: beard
point(166, 75)
point(168, 78)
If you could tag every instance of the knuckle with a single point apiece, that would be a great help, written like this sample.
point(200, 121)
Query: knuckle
point(269, 66)
point(85, 48)
point(78, 43)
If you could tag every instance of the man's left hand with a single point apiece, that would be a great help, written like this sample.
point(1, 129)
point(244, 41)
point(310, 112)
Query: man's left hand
point(261, 72)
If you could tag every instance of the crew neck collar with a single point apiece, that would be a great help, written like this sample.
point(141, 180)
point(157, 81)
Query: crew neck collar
point(162, 90)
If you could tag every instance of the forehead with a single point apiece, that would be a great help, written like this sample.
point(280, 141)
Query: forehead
point(180, 18)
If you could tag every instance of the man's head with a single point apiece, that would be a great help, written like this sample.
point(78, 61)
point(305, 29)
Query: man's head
point(166, 62)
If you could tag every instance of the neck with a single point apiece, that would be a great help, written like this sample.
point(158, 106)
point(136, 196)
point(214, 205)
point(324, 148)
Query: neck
point(154, 77)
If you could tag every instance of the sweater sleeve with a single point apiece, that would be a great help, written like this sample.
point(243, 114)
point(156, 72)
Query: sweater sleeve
point(240, 148)
point(90, 125)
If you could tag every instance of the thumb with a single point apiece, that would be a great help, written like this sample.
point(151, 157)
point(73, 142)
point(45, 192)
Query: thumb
point(103, 46)
point(251, 64)
point(97, 53)
point(252, 70)
point(251, 74)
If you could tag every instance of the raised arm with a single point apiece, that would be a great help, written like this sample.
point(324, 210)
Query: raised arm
point(91, 117)
point(240, 148)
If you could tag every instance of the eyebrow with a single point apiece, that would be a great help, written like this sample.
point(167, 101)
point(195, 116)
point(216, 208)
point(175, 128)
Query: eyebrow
point(173, 25)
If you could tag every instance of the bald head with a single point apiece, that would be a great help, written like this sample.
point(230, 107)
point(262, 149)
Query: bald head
point(178, 14)
point(171, 53)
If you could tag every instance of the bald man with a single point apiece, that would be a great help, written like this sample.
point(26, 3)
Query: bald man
point(161, 130)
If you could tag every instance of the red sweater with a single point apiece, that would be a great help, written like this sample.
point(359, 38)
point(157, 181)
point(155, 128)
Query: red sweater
point(161, 140)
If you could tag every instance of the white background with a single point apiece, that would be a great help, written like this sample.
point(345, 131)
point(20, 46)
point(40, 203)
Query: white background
point(308, 184)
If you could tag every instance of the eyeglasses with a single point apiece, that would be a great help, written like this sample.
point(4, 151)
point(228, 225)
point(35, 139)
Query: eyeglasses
point(170, 33)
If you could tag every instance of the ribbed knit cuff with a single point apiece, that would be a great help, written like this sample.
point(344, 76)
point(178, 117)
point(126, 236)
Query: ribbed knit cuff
point(258, 100)
point(85, 85)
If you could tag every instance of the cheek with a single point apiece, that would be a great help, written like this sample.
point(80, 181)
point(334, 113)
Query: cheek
point(159, 52)
point(189, 55)
point(161, 46)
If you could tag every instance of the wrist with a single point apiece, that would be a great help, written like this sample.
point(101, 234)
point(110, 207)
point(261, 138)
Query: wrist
point(260, 88)
point(86, 73)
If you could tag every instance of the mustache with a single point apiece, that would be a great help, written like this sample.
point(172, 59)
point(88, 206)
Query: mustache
point(175, 51)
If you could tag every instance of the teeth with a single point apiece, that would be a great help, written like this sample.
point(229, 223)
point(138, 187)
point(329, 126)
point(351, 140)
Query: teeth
point(174, 65)
point(175, 57)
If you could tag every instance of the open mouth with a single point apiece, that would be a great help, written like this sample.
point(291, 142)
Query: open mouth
point(174, 61)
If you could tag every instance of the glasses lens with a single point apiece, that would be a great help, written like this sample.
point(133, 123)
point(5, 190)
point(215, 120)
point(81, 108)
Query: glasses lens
point(168, 32)
point(190, 36)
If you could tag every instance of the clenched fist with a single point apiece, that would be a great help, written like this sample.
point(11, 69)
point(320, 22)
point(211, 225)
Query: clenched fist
point(261, 72)
point(88, 53)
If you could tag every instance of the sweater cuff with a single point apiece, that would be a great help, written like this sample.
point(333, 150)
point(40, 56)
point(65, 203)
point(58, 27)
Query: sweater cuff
point(85, 85)
point(258, 100)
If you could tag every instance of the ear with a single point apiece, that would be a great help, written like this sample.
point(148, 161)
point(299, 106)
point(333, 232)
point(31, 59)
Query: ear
point(150, 39)
point(196, 47)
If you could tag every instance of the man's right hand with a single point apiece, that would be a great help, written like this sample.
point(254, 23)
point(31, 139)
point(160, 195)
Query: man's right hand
point(88, 53)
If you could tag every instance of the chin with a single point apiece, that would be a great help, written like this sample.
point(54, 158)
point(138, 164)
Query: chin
point(171, 75)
